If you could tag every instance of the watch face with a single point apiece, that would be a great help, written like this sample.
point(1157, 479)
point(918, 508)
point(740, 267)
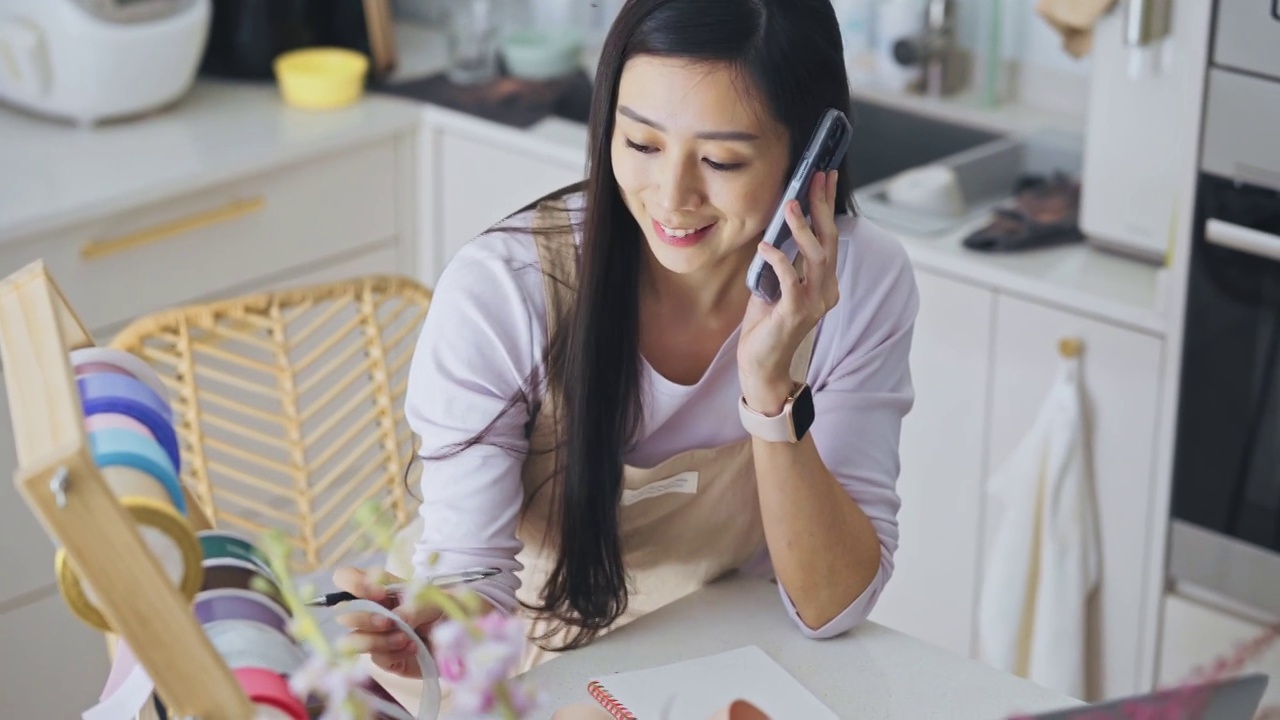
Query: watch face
point(802, 412)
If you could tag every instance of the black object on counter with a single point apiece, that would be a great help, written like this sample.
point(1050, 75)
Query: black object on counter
point(245, 36)
point(507, 100)
point(1045, 212)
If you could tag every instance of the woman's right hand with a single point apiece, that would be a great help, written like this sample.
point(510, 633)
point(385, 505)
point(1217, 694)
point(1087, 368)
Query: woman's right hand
point(388, 647)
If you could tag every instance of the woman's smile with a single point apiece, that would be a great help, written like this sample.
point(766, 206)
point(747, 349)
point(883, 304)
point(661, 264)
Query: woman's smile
point(676, 236)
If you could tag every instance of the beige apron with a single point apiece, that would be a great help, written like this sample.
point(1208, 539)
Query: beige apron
point(672, 542)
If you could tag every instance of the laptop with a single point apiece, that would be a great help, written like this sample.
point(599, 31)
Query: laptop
point(1233, 698)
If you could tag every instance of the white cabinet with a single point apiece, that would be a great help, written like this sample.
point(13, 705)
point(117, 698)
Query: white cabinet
point(334, 213)
point(942, 473)
point(123, 264)
point(53, 665)
point(1194, 635)
point(476, 183)
point(1121, 373)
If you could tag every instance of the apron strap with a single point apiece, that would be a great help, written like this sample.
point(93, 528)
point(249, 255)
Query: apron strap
point(558, 255)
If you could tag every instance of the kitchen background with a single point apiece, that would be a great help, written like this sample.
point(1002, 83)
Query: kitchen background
point(1088, 191)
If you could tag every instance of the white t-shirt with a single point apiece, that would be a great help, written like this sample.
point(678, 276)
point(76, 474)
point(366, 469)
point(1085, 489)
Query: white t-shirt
point(483, 340)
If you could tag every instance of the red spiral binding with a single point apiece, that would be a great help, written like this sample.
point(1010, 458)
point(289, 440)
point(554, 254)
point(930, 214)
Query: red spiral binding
point(609, 702)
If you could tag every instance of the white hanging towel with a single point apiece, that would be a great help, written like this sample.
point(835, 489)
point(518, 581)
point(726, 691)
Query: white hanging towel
point(1044, 559)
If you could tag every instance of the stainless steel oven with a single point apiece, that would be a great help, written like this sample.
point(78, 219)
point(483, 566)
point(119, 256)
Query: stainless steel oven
point(1226, 485)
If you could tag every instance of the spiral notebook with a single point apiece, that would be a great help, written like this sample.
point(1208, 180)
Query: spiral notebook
point(694, 689)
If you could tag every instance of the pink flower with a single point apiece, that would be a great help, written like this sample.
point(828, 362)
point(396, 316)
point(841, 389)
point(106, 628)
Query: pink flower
point(450, 646)
point(492, 661)
point(478, 662)
point(335, 681)
point(472, 700)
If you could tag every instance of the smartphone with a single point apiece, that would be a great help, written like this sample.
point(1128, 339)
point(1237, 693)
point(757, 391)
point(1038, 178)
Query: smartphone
point(825, 151)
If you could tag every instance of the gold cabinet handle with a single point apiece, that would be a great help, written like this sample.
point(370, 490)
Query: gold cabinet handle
point(1069, 347)
point(109, 246)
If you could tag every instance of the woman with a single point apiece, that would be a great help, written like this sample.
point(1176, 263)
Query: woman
point(577, 383)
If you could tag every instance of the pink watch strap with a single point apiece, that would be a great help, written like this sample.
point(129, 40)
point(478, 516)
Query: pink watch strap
point(778, 428)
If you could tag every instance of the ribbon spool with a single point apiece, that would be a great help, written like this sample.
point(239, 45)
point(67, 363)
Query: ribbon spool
point(90, 359)
point(113, 447)
point(233, 604)
point(240, 575)
point(270, 695)
point(126, 395)
point(107, 421)
point(249, 644)
point(131, 437)
point(168, 536)
point(243, 613)
point(221, 544)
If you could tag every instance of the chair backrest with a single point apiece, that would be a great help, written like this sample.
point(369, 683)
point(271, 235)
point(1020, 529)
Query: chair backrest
point(289, 407)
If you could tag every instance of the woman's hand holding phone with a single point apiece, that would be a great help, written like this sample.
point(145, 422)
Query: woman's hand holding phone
point(771, 333)
point(389, 648)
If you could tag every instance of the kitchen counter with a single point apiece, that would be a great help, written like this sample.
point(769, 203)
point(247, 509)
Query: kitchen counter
point(54, 174)
point(872, 672)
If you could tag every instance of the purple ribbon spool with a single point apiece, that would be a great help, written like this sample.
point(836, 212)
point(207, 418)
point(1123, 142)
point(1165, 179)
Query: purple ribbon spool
point(111, 393)
point(235, 604)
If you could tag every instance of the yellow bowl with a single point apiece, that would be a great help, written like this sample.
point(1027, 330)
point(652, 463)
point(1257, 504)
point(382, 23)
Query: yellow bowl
point(321, 78)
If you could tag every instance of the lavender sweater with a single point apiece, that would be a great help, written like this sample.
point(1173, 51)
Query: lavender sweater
point(485, 334)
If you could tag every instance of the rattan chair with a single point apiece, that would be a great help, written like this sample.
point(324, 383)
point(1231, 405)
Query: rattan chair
point(289, 406)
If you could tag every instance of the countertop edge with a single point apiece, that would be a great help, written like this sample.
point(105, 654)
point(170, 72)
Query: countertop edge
point(404, 118)
point(1127, 315)
point(552, 131)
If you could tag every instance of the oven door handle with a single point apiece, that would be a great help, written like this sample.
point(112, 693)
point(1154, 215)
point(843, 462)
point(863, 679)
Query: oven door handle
point(1244, 239)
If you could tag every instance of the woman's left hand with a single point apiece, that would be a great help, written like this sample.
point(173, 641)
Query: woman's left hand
point(771, 333)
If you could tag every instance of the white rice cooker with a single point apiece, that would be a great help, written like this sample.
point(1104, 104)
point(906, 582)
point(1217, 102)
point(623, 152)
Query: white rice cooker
point(93, 60)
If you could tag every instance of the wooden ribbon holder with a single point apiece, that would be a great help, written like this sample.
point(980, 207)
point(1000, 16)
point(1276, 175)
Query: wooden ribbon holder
point(61, 483)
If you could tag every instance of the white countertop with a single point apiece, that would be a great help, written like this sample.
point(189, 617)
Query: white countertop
point(54, 174)
point(872, 672)
point(1077, 277)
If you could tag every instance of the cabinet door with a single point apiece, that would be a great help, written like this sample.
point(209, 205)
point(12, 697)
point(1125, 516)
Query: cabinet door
point(478, 183)
point(941, 478)
point(1194, 635)
point(1121, 375)
point(53, 665)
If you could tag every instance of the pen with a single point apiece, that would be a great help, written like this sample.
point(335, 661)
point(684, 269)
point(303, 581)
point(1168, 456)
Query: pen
point(444, 580)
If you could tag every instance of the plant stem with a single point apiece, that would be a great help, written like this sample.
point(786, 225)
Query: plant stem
point(505, 705)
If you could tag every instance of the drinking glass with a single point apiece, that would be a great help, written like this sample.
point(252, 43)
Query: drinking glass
point(473, 27)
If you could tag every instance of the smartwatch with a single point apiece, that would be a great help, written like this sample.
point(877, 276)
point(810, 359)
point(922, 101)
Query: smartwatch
point(790, 425)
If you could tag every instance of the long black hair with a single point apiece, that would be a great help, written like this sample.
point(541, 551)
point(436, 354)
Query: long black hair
point(791, 54)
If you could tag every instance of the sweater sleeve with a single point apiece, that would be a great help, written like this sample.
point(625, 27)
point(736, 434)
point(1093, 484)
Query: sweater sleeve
point(471, 376)
point(860, 398)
